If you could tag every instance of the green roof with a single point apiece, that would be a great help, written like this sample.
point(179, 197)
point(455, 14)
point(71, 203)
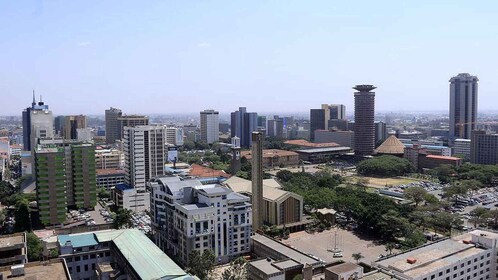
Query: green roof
point(78, 240)
point(148, 261)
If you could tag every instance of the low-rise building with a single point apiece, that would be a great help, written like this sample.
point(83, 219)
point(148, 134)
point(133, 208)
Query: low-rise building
point(187, 216)
point(304, 144)
point(432, 161)
point(55, 269)
point(280, 207)
point(344, 271)
point(322, 155)
point(275, 158)
point(13, 249)
point(109, 159)
point(462, 147)
point(128, 197)
point(471, 256)
point(109, 178)
point(127, 254)
point(268, 269)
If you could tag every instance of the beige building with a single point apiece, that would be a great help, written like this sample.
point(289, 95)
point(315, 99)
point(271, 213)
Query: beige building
point(13, 249)
point(71, 126)
point(279, 207)
point(275, 158)
point(109, 159)
point(344, 271)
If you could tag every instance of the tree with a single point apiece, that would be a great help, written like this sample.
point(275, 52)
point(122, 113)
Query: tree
point(123, 219)
point(201, 265)
point(236, 271)
point(414, 239)
point(384, 166)
point(390, 246)
point(35, 247)
point(298, 277)
point(446, 221)
point(494, 215)
point(284, 175)
point(21, 216)
point(478, 216)
point(357, 257)
point(417, 194)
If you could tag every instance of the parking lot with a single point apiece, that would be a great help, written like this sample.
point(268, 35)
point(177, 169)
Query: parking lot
point(322, 245)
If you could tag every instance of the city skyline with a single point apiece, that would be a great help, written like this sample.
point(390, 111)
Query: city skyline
point(87, 56)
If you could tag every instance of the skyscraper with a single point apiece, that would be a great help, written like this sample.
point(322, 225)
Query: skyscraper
point(130, 121)
point(242, 125)
point(145, 151)
point(71, 125)
point(112, 132)
point(364, 128)
point(380, 132)
point(257, 180)
point(210, 126)
point(463, 105)
point(483, 147)
point(276, 127)
point(317, 121)
point(38, 122)
point(50, 170)
point(59, 125)
point(337, 112)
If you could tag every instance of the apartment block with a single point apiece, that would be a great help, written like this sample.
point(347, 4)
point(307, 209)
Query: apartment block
point(187, 216)
point(109, 159)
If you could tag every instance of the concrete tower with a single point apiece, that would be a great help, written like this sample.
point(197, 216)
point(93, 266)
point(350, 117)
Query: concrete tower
point(364, 128)
point(257, 180)
point(235, 163)
point(463, 105)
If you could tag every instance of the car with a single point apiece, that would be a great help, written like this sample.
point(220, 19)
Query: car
point(337, 255)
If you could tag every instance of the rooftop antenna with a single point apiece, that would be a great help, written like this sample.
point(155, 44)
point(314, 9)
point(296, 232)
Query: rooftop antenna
point(34, 100)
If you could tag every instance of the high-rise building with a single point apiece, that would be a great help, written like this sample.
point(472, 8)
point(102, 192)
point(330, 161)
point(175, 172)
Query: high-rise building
point(483, 147)
point(337, 112)
point(364, 128)
point(174, 136)
point(262, 123)
point(317, 121)
point(242, 125)
point(210, 126)
point(275, 127)
point(257, 180)
point(463, 105)
point(66, 172)
point(59, 125)
point(71, 125)
point(380, 132)
point(50, 170)
point(112, 125)
point(145, 151)
point(38, 122)
point(130, 121)
point(326, 112)
point(189, 216)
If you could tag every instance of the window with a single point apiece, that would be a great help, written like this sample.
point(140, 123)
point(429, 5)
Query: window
point(78, 269)
point(93, 256)
point(93, 266)
point(85, 257)
point(86, 267)
point(77, 258)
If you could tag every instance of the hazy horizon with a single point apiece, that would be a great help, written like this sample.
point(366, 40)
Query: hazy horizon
point(186, 56)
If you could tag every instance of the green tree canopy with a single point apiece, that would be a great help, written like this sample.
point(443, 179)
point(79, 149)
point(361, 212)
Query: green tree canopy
point(417, 194)
point(123, 219)
point(384, 166)
point(201, 265)
point(35, 247)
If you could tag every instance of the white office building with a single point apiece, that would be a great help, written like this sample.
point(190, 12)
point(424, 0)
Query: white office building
point(174, 136)
point(145, 151)
point(471, 256)
point(210, 126)
point(187, 216)
point(462, 147)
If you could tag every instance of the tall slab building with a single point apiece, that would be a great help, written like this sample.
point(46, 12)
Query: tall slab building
point(364, 128)
point(210, 126)
point(257, 180)
point(463, 106)
point(37, 122)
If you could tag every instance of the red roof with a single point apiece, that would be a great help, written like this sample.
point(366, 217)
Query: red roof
point(444, 157)
point(109, 171)
point(206, 172)
point(305, 143)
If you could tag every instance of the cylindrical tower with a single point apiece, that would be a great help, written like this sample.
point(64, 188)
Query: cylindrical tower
point(364, 128)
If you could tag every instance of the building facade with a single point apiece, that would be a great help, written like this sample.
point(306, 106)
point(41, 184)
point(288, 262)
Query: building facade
point(130, 121)
point(484, 148)
point(242, 125)
point(210, 126)
point(112, 125)
point(187, 216)
point(71, 125)
point(380, 132)
point(109, 159)
point(317, 122)
point(343, 138)
point(461, 147)
point(364, 128)
point(463, 105)
point(37, 122)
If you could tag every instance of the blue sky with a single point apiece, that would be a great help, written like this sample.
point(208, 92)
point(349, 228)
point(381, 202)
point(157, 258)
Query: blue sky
point(286, 56)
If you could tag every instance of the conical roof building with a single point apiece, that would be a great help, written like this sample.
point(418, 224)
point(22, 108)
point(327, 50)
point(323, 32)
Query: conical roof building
point(392, 146)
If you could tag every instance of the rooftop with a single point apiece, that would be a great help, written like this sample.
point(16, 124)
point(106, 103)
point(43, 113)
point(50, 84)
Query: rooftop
point(206, 172)
point(265, 266)
point(343, 267)
point(146, 259)
point(305, 143)
point(271, 188)
point(8, 241)
point(270, 153)
point(78, 240)
point(285, 250)
point(444, 157)
point(431, 257)
point(324, 150)
point(123, 187)
point(109, 171)
point(391, 146)
point(54, 269)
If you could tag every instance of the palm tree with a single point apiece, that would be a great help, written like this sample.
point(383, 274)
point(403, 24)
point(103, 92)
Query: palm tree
point(357, 257)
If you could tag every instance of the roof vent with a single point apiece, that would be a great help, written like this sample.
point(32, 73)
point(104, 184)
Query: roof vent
point(17, 270)
point(411, 260)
